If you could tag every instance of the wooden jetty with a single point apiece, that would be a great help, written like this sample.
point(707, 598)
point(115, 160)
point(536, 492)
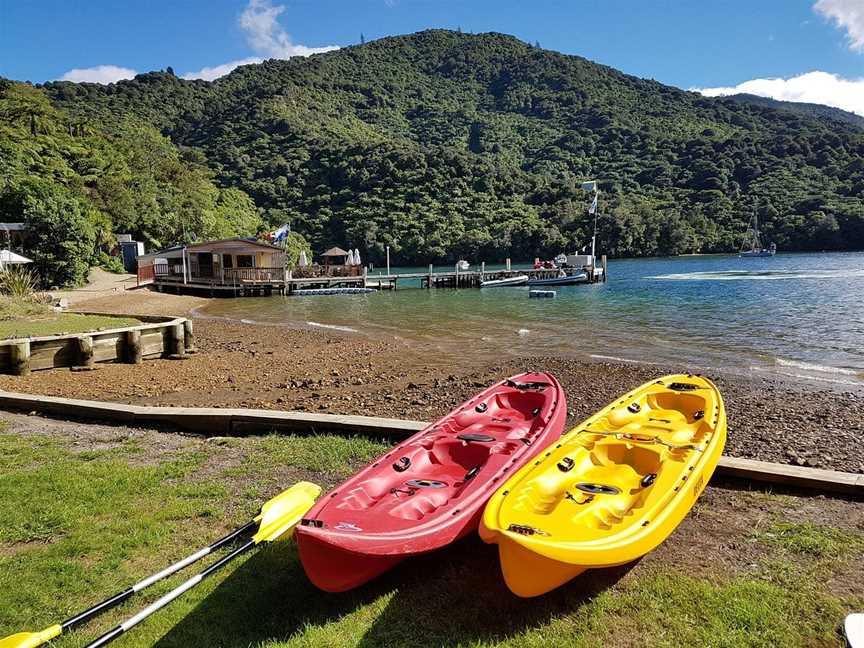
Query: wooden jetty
point(260, 281)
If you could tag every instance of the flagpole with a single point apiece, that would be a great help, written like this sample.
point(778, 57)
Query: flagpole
point(594, 237)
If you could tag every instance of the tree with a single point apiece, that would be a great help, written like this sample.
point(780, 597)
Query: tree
point(294, 244)
point(59, 228)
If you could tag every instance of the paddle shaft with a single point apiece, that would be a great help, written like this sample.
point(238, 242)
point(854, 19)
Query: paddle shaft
point(118, 598)
point(131, 622)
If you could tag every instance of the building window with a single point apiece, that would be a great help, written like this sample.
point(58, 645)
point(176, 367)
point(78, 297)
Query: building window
point(228, 260)
point(244, 261)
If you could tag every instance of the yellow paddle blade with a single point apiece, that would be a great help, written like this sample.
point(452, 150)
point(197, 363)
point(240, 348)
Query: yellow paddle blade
point(284, 511)
point(31, 639)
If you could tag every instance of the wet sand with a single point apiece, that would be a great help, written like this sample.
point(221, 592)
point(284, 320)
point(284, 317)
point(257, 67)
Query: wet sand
point(281, 368)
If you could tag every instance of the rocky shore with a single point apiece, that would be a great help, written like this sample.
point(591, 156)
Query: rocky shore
point(275, 367)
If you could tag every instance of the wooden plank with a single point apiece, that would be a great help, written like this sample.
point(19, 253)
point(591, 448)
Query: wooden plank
point(61, 352)
point(107, 348)
point(244, 421)
point(167, 321)
point(797, 476)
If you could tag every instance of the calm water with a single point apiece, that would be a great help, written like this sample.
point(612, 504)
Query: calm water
point(800, 315)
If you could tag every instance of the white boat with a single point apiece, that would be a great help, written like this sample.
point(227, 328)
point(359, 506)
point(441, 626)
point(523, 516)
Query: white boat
point(462, 264)
point(518, 280)
point(567, 280)
point(752, 239)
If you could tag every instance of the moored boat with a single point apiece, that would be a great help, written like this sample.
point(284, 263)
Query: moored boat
point(518, 280)
point(566, 280)
point(430, 489)
point(613, 489)
point(752, 240)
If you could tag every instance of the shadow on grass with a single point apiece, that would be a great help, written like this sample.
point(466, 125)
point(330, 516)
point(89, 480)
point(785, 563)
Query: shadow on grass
point(267, 598)
point(453, 596)
point(458, 597)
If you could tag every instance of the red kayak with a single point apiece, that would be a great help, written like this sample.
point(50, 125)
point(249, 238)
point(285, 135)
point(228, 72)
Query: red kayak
point(430, 490)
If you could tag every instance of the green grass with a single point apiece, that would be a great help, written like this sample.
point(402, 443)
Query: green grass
point(79, 525)
point(325, 453)
point(809, 539)
point(37, 322)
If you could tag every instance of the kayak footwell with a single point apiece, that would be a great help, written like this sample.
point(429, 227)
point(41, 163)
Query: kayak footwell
point(335, 570)
point(528, 573)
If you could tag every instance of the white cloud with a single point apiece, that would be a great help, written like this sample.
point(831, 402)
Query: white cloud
point(211, 73)
point(267, 37)
point(259, 21)
point(848, 15)
point(813, 87)
point(99, 74)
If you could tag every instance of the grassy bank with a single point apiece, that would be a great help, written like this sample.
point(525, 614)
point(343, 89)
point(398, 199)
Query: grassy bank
point(23, 318)
point(87, 510)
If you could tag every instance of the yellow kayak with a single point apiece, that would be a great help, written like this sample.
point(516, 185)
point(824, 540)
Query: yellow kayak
point(612, 489)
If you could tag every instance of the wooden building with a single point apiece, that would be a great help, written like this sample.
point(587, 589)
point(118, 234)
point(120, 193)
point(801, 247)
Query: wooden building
point(236, 264)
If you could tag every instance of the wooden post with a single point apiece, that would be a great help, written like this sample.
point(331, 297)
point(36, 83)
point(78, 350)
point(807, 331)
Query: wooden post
point(85, 359)
point(189, 337)
point(19, 357)
point(508, 264)
point(134, 350)
point(365, 276)
point(603, 265)
point(482, 270)
point(429, 285)
point(175, 343)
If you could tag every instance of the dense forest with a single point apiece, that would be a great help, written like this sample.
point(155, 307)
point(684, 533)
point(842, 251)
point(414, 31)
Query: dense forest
point(439, 144)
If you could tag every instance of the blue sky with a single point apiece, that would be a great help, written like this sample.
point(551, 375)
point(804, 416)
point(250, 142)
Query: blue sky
point(772, 46)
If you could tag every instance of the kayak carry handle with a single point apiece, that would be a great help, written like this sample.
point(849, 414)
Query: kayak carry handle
point(478, 438)
point(540, 386)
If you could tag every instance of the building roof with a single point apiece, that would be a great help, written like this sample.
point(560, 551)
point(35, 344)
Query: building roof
point(235, 239)
point(209, 244)
point(335, 252)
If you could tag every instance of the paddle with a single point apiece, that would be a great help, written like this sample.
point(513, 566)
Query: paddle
point(277, 516)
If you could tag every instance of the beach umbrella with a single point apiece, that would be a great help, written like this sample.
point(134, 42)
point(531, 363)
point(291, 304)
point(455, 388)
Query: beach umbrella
point(302, 261)
point(8, 256)
point(277, 518)
point(350, 260)
point(357, 257)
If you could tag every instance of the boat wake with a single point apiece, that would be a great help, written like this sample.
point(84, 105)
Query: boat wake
point(758, 275)
point(333, 327)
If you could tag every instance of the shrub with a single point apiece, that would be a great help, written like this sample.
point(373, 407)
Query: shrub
point(18, 282)
point(108, 262)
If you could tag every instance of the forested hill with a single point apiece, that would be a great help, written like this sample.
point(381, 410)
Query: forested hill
point(810, 109)
point(446, 145)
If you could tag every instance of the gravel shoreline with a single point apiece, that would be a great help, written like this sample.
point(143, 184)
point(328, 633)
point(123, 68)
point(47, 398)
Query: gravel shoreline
point(276, 367)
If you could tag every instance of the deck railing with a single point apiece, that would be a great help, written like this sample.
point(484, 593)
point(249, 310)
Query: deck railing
point(254, 275)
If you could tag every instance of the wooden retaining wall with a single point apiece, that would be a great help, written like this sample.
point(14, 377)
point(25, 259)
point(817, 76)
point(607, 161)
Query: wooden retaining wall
point(240, 422)
point(157, 337)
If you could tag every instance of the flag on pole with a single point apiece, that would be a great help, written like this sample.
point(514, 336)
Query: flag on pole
point(279, 234)
point(593, 208)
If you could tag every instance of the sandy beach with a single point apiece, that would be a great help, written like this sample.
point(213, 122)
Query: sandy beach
point(282, 368)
